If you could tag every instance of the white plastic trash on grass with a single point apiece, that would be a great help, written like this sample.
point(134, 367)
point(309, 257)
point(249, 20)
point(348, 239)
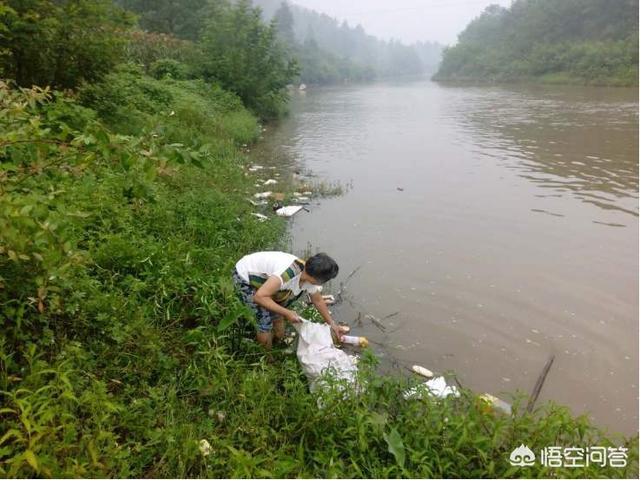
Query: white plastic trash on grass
point(319, 356)
point(288, 211)
point(436, 387)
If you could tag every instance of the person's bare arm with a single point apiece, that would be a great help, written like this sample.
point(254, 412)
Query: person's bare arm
point(263, 297)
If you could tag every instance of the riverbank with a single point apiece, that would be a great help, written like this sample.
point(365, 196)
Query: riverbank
point(121, 338)
point(556, 78)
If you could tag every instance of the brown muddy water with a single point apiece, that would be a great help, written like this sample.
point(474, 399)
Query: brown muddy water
point(500, 222)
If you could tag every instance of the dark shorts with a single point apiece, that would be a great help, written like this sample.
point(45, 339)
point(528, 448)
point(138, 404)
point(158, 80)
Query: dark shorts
point(264, 317)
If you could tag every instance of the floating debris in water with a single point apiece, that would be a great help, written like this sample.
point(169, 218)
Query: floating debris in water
point(329, 299)
point(425, 372)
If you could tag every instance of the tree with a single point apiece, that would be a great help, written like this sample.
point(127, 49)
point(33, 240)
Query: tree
point(284, 22)
point(586, 41)
point(182, 18)
point(60, 43)
point(245, 56)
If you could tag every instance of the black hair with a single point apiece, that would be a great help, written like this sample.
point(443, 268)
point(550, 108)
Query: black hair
point(321, 267)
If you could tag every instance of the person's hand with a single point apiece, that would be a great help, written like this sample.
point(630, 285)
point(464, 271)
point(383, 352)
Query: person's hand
point(337, 330)
point(293, 317)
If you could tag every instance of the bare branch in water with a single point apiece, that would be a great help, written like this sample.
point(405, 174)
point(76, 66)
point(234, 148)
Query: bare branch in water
point(375, 321)
point(343, 284)
point(540, 383)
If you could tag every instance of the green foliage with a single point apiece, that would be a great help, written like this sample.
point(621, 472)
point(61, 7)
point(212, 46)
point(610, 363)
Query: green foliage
point(113, 248)
point(344, 53)
point(245, 56)
point(145, 49)
point(170, 68)
point(580, 41)
point(119, 325)
point(321, 67)
point(181, 19)
point(60, 43)
point(122, 341)
point(191, 112)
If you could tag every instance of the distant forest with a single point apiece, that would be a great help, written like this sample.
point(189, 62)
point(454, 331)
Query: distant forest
point(330, 51)
point(326, 50)
point(554, 41)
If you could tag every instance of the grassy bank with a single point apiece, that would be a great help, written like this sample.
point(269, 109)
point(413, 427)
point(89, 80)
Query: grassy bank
point(628, 79)
point(117, 239)
point(122, 212)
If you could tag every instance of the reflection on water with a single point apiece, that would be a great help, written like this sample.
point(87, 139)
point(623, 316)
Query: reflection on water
point(502, 223)
point(572, 140)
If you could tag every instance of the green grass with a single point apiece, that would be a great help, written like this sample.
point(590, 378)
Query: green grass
point(123, 345)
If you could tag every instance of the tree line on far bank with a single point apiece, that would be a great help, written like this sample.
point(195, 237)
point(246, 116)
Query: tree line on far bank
point(555, 41)
point(326, 50)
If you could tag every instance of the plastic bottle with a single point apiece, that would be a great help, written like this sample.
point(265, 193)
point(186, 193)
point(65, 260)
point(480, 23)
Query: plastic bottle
point(495, 403)
point(360, 341)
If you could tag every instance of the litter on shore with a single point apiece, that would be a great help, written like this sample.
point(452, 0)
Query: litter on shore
point(436, 387)
point(205, 447)
point(495, 403)
point(262, 195)
point(425, 372)
point(288, 211)
point(261, 217)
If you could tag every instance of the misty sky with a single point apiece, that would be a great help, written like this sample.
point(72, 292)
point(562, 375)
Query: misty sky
point(406, 20)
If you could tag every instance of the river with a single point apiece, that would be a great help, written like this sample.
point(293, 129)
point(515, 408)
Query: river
point(500, 222)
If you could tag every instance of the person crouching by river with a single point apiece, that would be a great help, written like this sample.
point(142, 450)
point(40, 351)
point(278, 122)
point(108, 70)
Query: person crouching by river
point(269, 282)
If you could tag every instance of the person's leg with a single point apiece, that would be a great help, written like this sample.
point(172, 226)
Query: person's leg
point(263, 316)
point(265, 339)
point(265, 327)
point(278, 328)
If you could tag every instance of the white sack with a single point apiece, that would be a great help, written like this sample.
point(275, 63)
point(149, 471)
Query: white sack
point(318, 355)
